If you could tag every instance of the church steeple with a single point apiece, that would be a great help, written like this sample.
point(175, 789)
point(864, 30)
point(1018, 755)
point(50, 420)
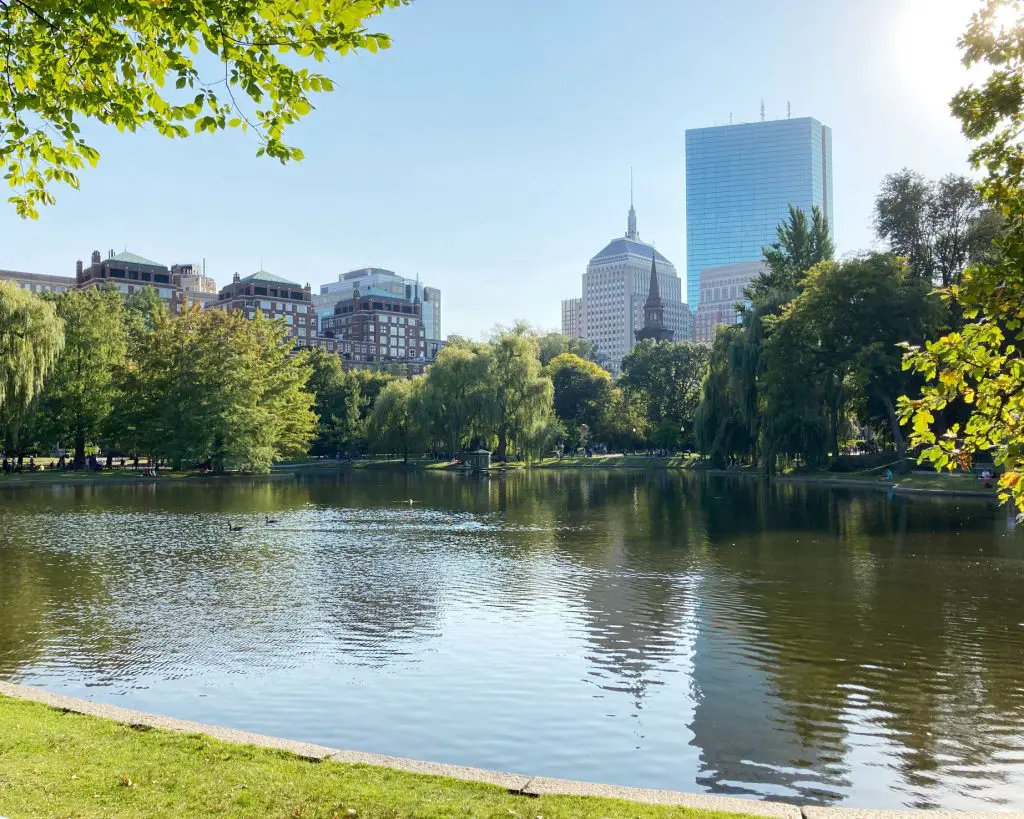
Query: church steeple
point(631, 220)
point(654, 291)
point(654, 309)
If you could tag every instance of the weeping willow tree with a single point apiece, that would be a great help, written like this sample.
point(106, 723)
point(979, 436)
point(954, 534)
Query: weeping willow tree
point(31, 338)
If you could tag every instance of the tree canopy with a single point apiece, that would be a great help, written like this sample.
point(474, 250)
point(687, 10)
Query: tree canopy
point(178, 68)
point(80, 392)
point(939, 227)
point(669, 376)
point(981, 365)
point(31, 338)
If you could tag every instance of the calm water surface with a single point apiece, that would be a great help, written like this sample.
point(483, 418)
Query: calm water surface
point(684, 632)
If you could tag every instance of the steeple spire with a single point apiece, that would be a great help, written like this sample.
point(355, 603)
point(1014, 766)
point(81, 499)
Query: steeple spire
point(654, 310)
point(631, 221)
point(654, 292)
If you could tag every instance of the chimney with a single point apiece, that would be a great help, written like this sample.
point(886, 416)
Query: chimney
point(111, 254)
point(236, 278)
point(96, 258)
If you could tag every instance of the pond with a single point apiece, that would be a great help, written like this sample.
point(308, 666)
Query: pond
point(802, 644)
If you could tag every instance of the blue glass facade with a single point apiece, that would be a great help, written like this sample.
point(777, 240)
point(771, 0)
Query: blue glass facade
point(740, 181)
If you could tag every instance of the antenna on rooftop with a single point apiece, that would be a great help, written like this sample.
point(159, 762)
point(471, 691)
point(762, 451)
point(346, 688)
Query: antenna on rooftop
point(762, 110)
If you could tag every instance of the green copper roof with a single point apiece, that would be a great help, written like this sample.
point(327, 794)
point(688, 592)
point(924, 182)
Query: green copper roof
point(264, 276)
point(131, 258)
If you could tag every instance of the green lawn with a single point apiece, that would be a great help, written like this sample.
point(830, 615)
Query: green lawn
point(944, 480)
point(619, 462)
point(54, 763)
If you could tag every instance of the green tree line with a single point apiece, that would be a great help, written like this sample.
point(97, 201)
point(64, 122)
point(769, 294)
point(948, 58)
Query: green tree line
point(89, 368)
point(814, 367)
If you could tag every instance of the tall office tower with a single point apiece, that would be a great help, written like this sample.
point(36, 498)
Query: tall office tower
point(740, 182)
point(615, 290)
point(376, 281)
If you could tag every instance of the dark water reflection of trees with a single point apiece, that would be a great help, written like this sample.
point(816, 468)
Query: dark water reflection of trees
point(809, 618)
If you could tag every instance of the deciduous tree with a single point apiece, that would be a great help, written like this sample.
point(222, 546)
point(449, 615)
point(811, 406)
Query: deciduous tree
point(982, 365)
point(670, 377)
point(582, 391)
point(177, 67)
point(81, 390)
point(939, 227)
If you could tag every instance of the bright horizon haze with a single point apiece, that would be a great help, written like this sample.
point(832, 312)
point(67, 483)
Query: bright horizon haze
point(489, 149)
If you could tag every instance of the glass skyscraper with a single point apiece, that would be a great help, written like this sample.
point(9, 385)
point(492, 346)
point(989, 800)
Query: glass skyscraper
point(740, 181)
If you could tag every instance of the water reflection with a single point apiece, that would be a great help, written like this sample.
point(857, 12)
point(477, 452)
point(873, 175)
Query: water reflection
point(777, 642)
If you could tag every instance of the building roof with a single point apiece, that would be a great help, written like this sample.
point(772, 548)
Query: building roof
point(264, 276)
point(367, 271)
point(132, 258)
point(624, 246)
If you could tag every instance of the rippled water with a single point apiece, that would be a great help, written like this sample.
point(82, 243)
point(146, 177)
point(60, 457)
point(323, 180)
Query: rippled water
point(793, 643)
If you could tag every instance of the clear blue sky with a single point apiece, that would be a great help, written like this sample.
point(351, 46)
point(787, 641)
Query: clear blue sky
point(489, 149)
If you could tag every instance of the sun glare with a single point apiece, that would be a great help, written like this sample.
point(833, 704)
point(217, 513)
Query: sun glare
point(1008, 15)
point(926, 36)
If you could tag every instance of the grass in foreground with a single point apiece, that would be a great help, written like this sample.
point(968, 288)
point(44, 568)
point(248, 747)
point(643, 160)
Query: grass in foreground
point(58, 764)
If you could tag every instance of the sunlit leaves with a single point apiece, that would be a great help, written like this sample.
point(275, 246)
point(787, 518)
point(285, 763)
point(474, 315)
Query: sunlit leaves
point(126, 64)
point(982, 366)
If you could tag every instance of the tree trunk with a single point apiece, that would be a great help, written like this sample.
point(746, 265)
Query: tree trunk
point(894, 424)
point(835, 412)
point(502, 444)
point(79, 449)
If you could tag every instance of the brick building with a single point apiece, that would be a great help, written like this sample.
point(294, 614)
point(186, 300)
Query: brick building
point(392, 325)
point(276, 298)
point(129, 273)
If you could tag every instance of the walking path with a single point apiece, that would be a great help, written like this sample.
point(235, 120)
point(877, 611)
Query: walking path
point(515, 783)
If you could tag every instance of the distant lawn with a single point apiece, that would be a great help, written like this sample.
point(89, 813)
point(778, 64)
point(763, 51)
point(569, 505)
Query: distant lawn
point(112, 476)
point(62, 764)
point(915, 480)
point(619, 462)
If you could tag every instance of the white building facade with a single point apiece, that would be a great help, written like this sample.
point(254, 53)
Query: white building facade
point(721, 296)
point(380, 282)
point(572, 317)
point(615, 289)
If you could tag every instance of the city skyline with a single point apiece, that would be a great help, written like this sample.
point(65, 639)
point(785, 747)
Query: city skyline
point(495, 184)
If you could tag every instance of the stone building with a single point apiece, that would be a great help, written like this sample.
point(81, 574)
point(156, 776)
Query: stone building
point(572, 317)
point(196, 285)
point(276, 298)
point(38, 283)
point(721, 295)
point(615, 290)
